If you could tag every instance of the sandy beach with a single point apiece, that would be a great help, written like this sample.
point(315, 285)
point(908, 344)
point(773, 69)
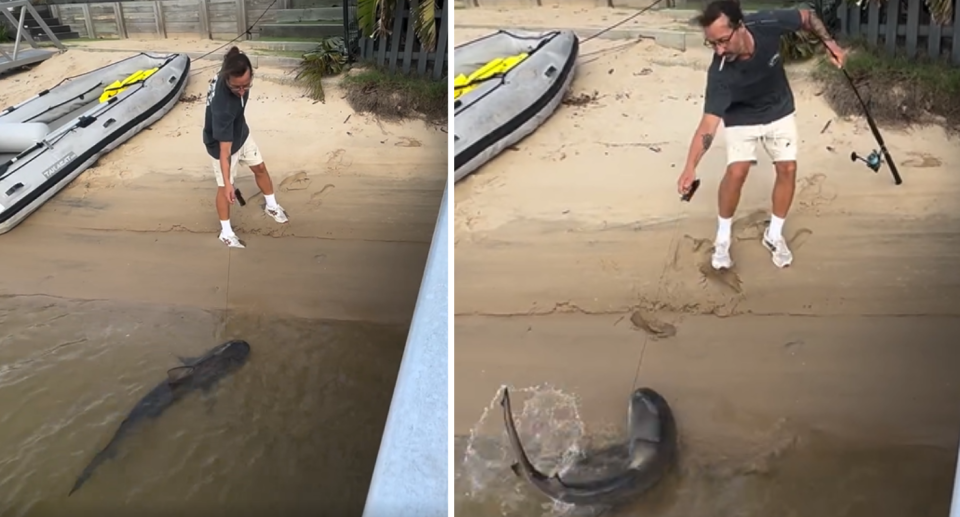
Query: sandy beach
point(141, 224)
point(121, 274)
point(580, 275)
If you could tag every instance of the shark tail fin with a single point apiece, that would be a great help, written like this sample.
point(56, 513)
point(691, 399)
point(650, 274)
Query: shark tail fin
point(84, 476)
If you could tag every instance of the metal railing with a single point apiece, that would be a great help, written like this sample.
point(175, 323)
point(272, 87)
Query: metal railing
point(955, 501)
point(410, 477)
point(22, 33)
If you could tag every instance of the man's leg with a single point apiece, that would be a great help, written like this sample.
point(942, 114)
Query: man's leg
point(227, 236)
point(251, 157)
point(741, 153)
point(780, 142)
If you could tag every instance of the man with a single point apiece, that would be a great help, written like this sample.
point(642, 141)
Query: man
point(747, 89)
point(228, 141)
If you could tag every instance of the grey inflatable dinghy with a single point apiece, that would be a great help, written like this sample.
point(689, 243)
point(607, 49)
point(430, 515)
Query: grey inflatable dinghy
point(493, 112)
point(49, 139)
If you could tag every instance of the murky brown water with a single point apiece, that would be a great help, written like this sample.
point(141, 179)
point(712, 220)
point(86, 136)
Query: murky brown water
point(296, 431)
point(786, 471)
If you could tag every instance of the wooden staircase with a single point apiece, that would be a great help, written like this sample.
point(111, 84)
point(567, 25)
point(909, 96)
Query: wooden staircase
point(62, 32)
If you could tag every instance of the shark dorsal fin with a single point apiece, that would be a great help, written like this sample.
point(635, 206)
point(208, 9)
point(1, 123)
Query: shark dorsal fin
point(187, 361)
point(179, 374)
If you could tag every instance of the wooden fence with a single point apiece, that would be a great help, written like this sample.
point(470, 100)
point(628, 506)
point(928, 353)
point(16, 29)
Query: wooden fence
point(208, 19)
point(902, 26)
point(402, 50)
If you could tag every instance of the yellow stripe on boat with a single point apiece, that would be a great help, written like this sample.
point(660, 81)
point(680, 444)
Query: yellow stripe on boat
point(499, 66)
point(119, 86)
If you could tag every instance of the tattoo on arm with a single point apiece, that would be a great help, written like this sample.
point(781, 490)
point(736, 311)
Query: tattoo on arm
point(707, 141)
point(815, 25)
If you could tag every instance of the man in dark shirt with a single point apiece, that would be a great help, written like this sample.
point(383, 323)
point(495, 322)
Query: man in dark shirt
point(747, 89)
point(228, 141)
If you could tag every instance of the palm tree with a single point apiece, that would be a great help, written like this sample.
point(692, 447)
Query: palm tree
point(375, 18)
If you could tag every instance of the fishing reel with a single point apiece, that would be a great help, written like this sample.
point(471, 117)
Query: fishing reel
point(873, 160)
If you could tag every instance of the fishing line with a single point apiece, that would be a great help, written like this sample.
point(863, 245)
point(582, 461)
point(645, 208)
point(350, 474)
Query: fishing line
point(674, 242)
point(621, 22)
point(248, 31)
point(582, 41)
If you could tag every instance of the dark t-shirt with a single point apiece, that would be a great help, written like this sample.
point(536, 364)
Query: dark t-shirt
point(224, 120)
point(754, 91)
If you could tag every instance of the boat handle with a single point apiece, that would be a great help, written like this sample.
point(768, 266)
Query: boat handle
point(13, 189)
point(173, 79)
point(550, 71)
point(109, 122)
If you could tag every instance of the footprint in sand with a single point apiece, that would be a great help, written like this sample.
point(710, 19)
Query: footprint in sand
point(298, 181)
point(316, 199)
point(406, 141)
point(337, 161)
point(652, 325)
point(814, 192)
point(699, 250)
point(751, 226)
point(922, 161)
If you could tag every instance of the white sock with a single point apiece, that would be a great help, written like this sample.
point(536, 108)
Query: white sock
point(723, 228)
point(776, 228)
point(225, 228)
point(271, 200)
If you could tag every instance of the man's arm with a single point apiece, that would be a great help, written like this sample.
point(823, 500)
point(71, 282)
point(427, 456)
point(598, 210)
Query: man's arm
point(715, 103)
point(702, 139)
point(810, 22)
point(222, 129)
point(225, 148)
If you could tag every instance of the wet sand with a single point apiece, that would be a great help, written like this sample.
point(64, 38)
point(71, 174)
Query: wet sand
point(577, 267)
point(123, 270)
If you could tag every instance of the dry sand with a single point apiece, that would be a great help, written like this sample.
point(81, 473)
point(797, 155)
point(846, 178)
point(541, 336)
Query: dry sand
point(141, 225)
point(553, 17)
point(560, 241)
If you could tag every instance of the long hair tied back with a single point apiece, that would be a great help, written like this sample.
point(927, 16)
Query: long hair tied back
point(235, 64)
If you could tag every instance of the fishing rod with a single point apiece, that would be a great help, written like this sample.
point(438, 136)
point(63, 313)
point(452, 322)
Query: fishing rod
point(876, 158)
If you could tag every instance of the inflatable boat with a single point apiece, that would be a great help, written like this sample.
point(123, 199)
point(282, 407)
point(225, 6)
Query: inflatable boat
point(506, 85)
point(49, 139)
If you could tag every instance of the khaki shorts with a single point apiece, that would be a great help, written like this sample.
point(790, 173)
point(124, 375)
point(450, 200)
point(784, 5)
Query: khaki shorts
point(778, 138)
point(249, 155)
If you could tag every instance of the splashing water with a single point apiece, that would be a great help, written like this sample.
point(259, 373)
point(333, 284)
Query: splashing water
point(552, 432)
point(743, 466)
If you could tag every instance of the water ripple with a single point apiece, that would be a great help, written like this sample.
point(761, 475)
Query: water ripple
point(297, 428)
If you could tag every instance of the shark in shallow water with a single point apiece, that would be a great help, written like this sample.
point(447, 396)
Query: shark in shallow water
point(200, 373)
point(650, 452)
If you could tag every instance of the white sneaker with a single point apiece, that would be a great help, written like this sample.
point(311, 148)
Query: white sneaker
point(231, 240)
point(276, 213)
point(782, 257)
point(721, 255)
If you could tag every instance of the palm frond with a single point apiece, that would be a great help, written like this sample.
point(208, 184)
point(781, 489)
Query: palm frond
point(386, 16)
point(426, 24)
point(326, 60)
point(941, 11)
point(367, 16)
